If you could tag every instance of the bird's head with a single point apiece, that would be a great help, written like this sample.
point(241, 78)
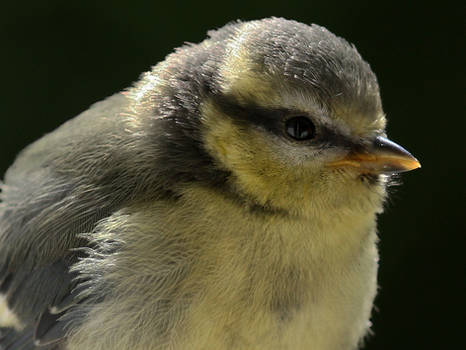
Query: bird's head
point(290, 114)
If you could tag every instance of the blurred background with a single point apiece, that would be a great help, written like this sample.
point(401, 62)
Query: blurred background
point(59, 57)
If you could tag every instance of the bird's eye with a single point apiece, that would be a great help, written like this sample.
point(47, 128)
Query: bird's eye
point(300, 128)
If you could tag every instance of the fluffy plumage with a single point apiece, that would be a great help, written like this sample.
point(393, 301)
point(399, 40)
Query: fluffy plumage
point(177, 215)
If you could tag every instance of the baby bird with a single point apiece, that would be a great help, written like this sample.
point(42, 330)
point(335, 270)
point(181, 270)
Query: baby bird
point(227, 200)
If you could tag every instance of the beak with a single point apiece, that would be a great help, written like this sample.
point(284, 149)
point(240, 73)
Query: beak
point(382, 156)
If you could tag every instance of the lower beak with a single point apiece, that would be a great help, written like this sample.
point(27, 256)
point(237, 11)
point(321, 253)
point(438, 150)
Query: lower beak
point(382, 156)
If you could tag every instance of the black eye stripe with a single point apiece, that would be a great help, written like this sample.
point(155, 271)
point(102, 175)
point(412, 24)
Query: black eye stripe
point(274, 120)
point(271, 119)
point(250, 112)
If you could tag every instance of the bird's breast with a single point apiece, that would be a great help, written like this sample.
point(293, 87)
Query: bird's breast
point(274, 282)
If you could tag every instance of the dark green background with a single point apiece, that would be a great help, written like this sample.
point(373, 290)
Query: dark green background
point(58, 58)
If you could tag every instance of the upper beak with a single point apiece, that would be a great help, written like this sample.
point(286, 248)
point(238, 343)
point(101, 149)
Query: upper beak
point(382, 156)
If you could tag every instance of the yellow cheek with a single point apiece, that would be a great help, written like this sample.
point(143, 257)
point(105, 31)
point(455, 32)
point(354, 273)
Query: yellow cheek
point(246, 152)
point(229, 146)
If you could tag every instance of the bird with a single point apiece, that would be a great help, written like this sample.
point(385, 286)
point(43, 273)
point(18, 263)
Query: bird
point(228, 199)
